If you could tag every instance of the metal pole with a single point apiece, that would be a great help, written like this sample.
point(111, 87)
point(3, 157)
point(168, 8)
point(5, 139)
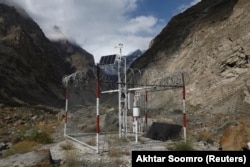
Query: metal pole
point(66, 110)
point(126, 98)
point(119, 93)
point(97, 109)
point(133, 124)
point(136, 130)
point(184, 109)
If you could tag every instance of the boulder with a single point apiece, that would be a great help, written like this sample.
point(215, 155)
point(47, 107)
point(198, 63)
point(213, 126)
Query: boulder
point(38, 158)
point(236, 137)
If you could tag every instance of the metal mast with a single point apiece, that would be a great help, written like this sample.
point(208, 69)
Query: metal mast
point(122, 94)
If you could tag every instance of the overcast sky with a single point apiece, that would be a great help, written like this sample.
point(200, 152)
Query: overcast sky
point(100, 25)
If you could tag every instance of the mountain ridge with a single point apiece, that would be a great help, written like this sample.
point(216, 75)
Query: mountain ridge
point(32, 66)
point(210, 41)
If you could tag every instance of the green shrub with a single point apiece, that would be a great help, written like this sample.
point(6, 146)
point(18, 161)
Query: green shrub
point(37, 135)
point(184, 146)
point(73, 158)
point(21, 147)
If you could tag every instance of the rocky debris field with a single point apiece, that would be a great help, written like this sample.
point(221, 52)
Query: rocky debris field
point(27, 124)
point(33, 136)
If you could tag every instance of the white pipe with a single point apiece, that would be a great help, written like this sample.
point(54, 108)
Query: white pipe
point(136, 130)
point(66, 111)
point(146, 109)
point(141, 88)
point(89, 146)
point(110, 91)
point(97, 110)
point(184, 109)
point(133, 124)
point(131, 89)
point(97, 125)
point(119, 94)
point(184, 121)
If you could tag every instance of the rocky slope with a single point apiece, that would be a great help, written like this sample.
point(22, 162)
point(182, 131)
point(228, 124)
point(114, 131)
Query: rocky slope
point(210, 41)
point(74, 55)
point(31, 66)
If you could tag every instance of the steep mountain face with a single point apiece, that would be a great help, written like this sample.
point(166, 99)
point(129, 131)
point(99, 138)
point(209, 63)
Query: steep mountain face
point(75, 55)
point(211, 41)
point(31, 66)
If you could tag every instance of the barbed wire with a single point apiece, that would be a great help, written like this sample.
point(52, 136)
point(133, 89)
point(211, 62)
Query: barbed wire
point(83, 77)
point(159, 79)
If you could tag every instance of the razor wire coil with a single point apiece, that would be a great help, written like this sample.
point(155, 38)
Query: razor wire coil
point(135, 77)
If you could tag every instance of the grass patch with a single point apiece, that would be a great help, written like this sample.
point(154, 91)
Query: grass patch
point(37, 135)
point(115, 139)
point(48, 127)
point(21, 147)
point(73, 158)
point(66, 146)
point(183, 146)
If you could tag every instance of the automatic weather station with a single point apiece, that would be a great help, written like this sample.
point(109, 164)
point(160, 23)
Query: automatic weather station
point(132, 86)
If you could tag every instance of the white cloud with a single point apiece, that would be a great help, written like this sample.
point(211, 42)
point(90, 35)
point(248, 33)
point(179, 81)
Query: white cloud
point(140, 24)
point(96, 25)
point(182, 8)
